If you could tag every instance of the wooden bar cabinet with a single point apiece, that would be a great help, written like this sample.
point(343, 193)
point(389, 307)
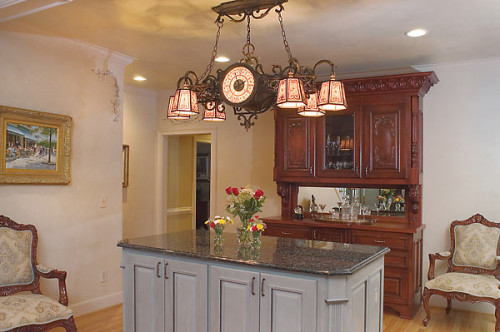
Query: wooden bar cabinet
point(376, 143)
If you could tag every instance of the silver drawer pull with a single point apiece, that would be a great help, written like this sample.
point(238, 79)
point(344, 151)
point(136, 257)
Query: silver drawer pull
point(379, 241)
point(262, 287)
point(253, 285)
point(166, 274)
point(341, 301)
point(286, 233)
point(158, 270)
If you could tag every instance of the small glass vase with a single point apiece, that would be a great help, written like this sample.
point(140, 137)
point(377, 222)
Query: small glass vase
point(243, 236)
point(256, 240)
point(218, 239)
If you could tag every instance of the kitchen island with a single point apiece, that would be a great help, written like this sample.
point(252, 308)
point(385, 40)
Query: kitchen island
point(182, 282)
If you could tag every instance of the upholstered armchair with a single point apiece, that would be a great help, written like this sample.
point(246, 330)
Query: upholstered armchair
point(473, 271)
point(22, 305)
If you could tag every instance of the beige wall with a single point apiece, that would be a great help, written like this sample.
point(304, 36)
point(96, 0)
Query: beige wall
point(139, 132)
point(75, 234)
point(180, 183)
point(461, 153)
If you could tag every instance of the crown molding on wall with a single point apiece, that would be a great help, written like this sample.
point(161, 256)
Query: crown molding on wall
point(102, 54)
point(11, 9)
point(428, 67)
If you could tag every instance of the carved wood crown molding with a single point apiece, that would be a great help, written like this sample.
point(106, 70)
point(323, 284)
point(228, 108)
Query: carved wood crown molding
point(420, 82)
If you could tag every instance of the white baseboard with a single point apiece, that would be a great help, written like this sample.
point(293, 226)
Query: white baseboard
point(99, 303)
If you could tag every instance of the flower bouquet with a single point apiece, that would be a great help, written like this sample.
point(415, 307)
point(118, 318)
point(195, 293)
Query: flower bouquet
point(244, 203)
point(256, 227)
point(218, 224)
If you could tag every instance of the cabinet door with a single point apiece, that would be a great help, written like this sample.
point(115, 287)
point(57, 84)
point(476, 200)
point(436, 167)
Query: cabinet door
point(143, 285)
point(385, 144)
point(295, 136)
point(186, 294)
point(338, 144)
point(234, 300)
point(287, 304)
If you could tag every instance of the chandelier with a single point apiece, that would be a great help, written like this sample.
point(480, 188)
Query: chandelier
point(246, 87)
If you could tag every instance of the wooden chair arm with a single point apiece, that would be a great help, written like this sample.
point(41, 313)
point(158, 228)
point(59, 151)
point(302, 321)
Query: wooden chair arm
point(60, 275)
point(432, 262)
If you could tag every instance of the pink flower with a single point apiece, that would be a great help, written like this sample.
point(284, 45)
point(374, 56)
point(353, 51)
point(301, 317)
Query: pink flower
point(229, 190)
point(258, 194)
point(212, 225)
point(254, 229)
point(235, 191)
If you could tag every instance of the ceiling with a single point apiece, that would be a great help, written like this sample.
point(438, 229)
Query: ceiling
point(168, 37)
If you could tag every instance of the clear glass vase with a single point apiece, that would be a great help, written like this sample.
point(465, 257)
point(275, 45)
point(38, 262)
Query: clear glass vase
point(218, 239)
point(256, 240)
point(243, 236)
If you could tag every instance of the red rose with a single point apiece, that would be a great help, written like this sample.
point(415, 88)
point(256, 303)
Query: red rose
point(212, 225)
point(258, 194)
point(229, 190)
point(235, 191)
point(255, 229)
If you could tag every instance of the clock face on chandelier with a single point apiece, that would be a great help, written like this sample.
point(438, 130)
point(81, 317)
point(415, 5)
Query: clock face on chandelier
point(239, 84)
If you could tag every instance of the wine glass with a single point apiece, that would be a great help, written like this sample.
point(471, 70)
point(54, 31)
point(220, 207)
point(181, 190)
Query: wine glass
point(322, 207)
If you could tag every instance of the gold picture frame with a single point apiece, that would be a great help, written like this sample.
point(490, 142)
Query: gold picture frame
point(125, 153)
point(35, 147)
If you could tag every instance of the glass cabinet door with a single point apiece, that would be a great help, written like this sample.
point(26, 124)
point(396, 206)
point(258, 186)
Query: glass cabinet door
point(338, 145)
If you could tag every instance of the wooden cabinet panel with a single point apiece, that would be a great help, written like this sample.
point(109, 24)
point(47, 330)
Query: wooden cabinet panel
point(297, 232)
point(396, 286)
point(386, 142)
point(296, 141)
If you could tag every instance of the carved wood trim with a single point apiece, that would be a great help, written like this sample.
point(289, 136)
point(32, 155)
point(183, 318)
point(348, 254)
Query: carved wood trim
point(414, 153)
point(420, 82)
point(414, 197)
point(284, 192)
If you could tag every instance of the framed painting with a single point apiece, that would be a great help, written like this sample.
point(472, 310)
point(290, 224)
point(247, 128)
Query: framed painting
point(35, 147)
point(125, 152)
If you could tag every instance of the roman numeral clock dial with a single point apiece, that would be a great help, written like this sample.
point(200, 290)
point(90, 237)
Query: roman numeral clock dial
point(239, 84)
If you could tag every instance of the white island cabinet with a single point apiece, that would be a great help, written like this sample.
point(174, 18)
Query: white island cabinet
point(179, 282)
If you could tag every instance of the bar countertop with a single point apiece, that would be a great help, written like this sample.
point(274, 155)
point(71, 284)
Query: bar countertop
point(306, 256)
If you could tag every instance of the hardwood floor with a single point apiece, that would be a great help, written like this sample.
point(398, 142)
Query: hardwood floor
point(110, 320)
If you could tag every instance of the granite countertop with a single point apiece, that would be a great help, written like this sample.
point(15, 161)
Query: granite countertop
point(308, 256)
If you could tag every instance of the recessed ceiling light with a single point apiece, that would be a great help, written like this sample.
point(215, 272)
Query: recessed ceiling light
point(139, 78)
point(222, 59)
point(416, 33)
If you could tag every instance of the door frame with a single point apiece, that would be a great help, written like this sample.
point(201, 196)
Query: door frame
point(160, 206)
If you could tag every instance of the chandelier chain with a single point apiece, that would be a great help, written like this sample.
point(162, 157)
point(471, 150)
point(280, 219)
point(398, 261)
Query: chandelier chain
point(208, 71)
point(283, 34)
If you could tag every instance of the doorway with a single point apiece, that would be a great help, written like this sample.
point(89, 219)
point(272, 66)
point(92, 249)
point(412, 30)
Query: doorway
point(187, 173)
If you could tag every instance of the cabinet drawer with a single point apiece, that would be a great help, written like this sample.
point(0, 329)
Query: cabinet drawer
point(297, 232)
point(332, 235)
point(399, 259)
point(391, 240)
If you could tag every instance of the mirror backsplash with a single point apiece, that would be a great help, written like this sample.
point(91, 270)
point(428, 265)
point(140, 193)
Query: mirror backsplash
point(381, 201)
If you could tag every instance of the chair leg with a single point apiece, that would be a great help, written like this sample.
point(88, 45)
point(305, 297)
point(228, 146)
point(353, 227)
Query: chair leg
point(497, 318)
point(425, 299)
point(448, 307)
point(69, 325)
